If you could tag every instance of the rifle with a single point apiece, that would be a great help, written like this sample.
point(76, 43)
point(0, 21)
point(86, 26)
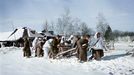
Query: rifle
point(89, 48)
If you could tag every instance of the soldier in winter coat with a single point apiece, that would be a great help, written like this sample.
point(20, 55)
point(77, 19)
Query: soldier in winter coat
point(47, 48)
point(39, 48)
point(34, 43)
point(26, 49)
point(97, 49)
point(82, 47)
point(54, 47)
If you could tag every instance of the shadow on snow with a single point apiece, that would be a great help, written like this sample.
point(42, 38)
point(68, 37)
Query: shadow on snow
point(111, 57)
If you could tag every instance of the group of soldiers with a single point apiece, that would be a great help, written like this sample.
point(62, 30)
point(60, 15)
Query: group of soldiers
point(51, 47)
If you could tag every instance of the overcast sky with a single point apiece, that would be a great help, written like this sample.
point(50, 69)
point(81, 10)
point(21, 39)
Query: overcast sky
point(33, 13)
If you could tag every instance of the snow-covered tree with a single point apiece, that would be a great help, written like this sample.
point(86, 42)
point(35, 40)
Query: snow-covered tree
point(48, 27)
point(76, 25)
point(45, 27)
point(68, 25)
point(64, 24)
point(51, 27)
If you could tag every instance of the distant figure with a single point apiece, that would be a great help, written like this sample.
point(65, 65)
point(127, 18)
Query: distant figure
point(34, 43)
point(26, 49)
point(74, 42)
point(20, 42)
point(0, 45)
point(47, 48)
point(133, 54)
point(97, 49)
point(82, 47)
point(62, 40)
point(54, 47)
point(70, 39)
point(39, 52)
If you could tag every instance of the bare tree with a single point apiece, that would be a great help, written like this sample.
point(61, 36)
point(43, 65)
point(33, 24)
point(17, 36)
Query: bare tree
point(102, 25)
point(64, 23)
point(84, 29)
point(68, 25)
point(51, 26)
point(77, 26)
point(45, 27)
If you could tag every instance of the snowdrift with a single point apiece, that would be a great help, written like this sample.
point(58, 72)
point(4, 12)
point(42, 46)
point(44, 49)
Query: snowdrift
point(115, 62)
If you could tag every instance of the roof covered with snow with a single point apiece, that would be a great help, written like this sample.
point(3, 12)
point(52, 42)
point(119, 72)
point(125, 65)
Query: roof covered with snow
point(18, 33)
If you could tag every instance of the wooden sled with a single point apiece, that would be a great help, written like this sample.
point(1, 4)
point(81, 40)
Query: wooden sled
point(67, 53)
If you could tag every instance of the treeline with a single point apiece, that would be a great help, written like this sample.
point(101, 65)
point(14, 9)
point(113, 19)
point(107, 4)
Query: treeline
point(118, 33)
point(66, 24)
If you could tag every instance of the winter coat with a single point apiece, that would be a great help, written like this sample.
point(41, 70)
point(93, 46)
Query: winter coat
point(100, 44)
point(34, 43)
point(48, 43)
point(47, 47)
point(54, 46)
point(82, 45)
point(98, 48)
point(26, 49)
point(39, 49)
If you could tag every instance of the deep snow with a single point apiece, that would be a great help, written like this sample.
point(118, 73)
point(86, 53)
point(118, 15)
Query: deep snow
point(115, 62)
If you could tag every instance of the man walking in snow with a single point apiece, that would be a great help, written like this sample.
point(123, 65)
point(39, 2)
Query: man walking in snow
point(82, 47)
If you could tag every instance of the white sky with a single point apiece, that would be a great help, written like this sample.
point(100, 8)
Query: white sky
point(33, 13)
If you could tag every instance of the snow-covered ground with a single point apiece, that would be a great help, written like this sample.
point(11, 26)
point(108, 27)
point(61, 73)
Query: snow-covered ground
point(115, 62)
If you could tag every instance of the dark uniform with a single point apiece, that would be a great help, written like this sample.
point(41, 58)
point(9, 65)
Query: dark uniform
point(54, 49)
point(26, 49)
point(82, 45)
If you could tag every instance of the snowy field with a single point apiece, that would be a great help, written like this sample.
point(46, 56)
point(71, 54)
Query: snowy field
point(115, 62)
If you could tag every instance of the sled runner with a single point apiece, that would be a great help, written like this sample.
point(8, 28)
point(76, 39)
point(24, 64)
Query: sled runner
point(67, 53)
